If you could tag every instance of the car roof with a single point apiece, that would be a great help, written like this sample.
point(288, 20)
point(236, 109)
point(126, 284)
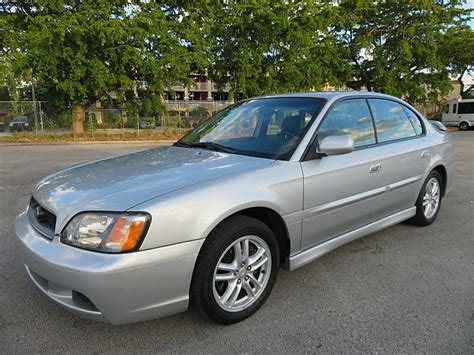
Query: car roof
point(330, 94)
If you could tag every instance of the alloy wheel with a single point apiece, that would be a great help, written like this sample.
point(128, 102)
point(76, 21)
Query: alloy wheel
point(431, 198)
point(242, 273)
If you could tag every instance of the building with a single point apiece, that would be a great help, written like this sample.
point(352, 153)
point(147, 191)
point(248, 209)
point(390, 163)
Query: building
point(203, 89)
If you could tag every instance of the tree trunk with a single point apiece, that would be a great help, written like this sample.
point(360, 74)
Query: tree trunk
point(462, 86)
point(78, 113)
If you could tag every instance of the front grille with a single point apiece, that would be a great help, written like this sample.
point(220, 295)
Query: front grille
point(41, 219)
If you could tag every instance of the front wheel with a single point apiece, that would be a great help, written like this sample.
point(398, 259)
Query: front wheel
point(429, 200)
point(235, 271)
point(464, 126)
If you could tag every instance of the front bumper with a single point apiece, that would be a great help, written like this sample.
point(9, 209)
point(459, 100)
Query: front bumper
point(118, 288)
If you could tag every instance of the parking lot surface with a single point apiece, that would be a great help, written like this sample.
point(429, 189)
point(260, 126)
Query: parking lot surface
point(405, 289)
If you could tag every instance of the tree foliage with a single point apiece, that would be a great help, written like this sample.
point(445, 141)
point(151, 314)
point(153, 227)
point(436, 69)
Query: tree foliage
point(85, 50)
point(395, 47)
point(266, 46)
point(79, 51)
point(458, 52)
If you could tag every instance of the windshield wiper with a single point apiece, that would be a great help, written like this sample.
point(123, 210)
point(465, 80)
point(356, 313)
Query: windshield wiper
point(183, 144)
point(206, 145)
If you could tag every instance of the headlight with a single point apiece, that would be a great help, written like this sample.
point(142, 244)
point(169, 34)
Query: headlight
point(106, 232)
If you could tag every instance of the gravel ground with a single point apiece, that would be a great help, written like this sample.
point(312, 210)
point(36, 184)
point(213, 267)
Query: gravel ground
point(405, 289)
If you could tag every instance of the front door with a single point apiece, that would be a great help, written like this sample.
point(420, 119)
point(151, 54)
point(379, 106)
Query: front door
point(343, 192)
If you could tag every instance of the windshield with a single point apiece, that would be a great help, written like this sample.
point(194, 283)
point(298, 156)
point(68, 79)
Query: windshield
point(20, 119)
point(268, 128)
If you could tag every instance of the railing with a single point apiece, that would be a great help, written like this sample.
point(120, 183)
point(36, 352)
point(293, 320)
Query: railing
point(187, 106)
point(203, 87)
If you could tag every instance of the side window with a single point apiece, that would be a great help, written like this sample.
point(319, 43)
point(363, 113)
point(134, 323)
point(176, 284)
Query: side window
point(415, 120)
point(349, 117)
point(455, 106)
point(466, 107)
point(391, 121)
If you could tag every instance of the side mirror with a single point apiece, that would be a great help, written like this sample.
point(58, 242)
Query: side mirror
point(439, 126)
point(336, 145)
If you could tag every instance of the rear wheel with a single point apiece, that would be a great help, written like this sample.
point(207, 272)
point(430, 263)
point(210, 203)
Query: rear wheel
point(429, 200)
point(464, 126)
point(235, 271)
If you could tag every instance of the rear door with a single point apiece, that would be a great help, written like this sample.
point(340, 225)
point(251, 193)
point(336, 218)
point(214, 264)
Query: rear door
point(405, 150)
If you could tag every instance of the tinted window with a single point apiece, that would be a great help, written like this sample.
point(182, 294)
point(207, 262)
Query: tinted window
point(350, 117)
point(269, 128)
point(415, 120)
point(390, 120)
point(455, 107)
point(466, 107)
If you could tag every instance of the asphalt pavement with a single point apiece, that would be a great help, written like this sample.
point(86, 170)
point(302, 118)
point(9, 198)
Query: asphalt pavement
point(406, 289)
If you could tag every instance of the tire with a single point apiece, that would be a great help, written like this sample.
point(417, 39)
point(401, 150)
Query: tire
point(425, 216)
point(464, 126)
point(229, 301)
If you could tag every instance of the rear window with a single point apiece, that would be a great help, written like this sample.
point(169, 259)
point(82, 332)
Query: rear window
point(466, 107)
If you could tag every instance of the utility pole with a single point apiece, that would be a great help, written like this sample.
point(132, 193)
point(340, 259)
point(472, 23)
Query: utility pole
point(41, 119)
point(34, 105)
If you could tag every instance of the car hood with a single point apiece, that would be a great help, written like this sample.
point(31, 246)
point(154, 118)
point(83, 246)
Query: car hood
point(121, 182)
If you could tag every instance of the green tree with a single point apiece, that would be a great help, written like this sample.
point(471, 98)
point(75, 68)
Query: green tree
point(10, 52)
point(261, 47)
point(458, 53)
point(395, 46)
point(84, 50)
point(79, 51)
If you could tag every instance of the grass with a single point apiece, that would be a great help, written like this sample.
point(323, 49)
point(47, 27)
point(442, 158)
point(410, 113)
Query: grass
point(98, 136)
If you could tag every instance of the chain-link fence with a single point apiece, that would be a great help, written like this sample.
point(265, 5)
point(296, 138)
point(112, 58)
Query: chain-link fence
point(21, 116)
point(41, 119)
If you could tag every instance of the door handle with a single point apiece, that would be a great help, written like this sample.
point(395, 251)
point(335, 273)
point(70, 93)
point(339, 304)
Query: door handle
point(375, 168)
point(425, 154)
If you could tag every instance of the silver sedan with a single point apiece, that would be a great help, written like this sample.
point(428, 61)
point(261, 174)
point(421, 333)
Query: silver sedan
point(269, 182)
